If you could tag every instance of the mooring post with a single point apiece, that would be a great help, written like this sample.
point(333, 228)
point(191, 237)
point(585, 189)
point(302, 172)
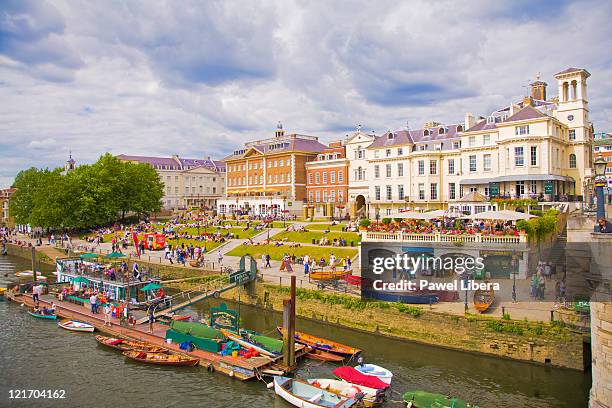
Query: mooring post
point(33, 264)
point(289, 328)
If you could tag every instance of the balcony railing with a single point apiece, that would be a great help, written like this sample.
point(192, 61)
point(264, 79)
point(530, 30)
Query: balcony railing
point(373, 236)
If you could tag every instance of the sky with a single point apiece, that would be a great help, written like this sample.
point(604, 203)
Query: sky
point(199, 78)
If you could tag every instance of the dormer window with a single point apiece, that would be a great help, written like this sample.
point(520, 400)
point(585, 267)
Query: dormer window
point(390, 136)
point(426, 132)
point(459, 128)
point(442, 131)
point(490, 119)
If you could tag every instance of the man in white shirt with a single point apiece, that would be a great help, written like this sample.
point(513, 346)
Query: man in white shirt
point(93, 301)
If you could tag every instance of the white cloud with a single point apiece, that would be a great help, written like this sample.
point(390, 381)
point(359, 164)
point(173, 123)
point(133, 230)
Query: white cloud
point(203, 77)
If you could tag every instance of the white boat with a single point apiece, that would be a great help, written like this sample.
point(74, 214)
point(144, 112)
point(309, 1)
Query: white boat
point(371, 396)
point(75, 325)
point(244, 343)
point(301, 394)
point(28, 274)
point(375, 371)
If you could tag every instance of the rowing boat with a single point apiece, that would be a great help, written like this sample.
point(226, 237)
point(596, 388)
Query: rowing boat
point(315, 354)
point(371, 396)
point(128, 345)
point(43, 316)
point(247, 344)
point(373, 370)
point(328, 275)
point(75, 325)
point(349, 374)
point(301, 394)
point(319, 343)
point(424, 399)
point(483, 299)
point(161, 358)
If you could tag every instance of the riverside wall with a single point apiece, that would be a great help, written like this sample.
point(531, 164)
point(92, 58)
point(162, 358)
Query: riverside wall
point(555, 346)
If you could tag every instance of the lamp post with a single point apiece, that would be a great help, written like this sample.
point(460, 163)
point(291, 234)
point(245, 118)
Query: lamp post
point(514, 264)
point(465, 280)
point(600, 165)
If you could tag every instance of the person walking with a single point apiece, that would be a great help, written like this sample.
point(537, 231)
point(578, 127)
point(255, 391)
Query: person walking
point(268, 261)
point(220, 257)
point(107, 314)
point(306, 264)
point(151, 319)
point(263, 260)
point(93, 302)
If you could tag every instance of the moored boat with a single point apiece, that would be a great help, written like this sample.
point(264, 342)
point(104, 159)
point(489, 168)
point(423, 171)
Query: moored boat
point(328, 275)
point(28, 274)
point(369, 396)
point(424, 399)
point(43, 316)
point(315, 354)
point(247, 344)
point(161, 358)
point(319, 343)
point(483, 299)
point(75, 325)
point(128, 345)
point(373, 370)
point(349, 374)
point(2, 293)
point(302, 394)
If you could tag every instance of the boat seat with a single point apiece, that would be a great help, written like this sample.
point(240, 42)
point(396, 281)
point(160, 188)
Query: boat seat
point(315, 398)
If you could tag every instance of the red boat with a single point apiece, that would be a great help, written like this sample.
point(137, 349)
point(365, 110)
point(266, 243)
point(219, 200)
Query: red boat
point(349, 374)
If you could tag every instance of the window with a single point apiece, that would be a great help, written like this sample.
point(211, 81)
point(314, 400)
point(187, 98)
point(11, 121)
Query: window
point(270, 164)
point(318, 196)
point(276, 178)
point(473, 163)
point(250, 179)
point(261, 179)
point(433, 190)
point(340, 176)
point(389, 193)
point(324, 196)
point(340, 196)
point(486, 139)
point(376, 154)
point(433, 167)
point(388, 169)
point(421, 167)
point(451, 191)
point(533, 155)
point(487, 192)
point(332, 196)
point(317, 178)
point(533, 186)
point(377, 193)
point(572, 161)
point(572, 134)
point(377, 171)
point(520, 188)
point(400, 151)
point(451, 166)
point(388, 152)
point(521, 130)
point(457, 145)
point(400, 169)
point(519, 159)
point(421, 191)
point(310, 195)
point(400, 192)
point(472, 141)
point(360, 153)
point(324, 177)
point(282, 178)
point(332, 177)
point(486, 162)
point(275, 163)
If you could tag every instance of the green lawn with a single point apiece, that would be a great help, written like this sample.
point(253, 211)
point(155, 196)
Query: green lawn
point(211, 230)
point(210, 245)
point(307, 237)
point(322, 227)
point(277, 253)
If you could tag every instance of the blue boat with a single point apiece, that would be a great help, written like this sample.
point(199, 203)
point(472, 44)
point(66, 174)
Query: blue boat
point(43, 316)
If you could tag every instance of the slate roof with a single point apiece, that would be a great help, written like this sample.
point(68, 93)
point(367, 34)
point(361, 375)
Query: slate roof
point(284, 144)
point(404, 137)
point(528, 112)
point(170, 163)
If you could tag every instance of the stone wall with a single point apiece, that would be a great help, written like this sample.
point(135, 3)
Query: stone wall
point(601, 342)
point(556, 346)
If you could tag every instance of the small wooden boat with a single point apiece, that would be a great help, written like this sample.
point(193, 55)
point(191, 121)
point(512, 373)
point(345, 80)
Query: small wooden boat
point(369, 396)
point(161, 358)
point(128, 345)
point(424, 399)
point(373, 370)
point(43, 316)
point(246, 344)
point(301, 394)
point(328, 275)
point(181, 317)
point(75, 325)
point(29, 274)
point(315, 354)
point(483, 299)
point(322, 344)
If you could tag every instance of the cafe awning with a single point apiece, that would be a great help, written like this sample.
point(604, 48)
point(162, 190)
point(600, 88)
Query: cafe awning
point(151, 286)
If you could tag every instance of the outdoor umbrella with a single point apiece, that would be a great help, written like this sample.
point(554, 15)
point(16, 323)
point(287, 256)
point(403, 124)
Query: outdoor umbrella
point(430, 215)
point(115, 255)
point(409, 215)
point(151, 286)
point(80, 279)
point(503, 215)
point(89, 255)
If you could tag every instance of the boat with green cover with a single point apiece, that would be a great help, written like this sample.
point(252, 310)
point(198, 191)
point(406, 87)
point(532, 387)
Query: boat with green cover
point(424, 399)
point(269, 343)
point(196, 329)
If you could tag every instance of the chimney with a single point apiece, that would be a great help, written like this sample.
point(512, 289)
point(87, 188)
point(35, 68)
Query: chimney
point(527, 101)
point(469, 121)
point(538, 90)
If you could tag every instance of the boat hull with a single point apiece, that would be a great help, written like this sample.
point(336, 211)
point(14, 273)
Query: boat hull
point(303, 395)
point(423, 399)
point(42, 316)
point(324, 356)
point(319, 343)
point(244, 343)
point(326, 276)
point(128, 345)
point(371, 396)
point(73, 325)
point(373, 370)
point(162, 359)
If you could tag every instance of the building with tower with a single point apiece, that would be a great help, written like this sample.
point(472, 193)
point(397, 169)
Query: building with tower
point(69, 165)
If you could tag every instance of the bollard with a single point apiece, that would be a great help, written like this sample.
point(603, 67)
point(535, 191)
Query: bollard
point(503, 311)
point(552, 315)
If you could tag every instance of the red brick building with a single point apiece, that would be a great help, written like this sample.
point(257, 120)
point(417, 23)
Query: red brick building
point(327, 182)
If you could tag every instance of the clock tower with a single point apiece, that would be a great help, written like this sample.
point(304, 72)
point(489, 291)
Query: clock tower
point(573, 107)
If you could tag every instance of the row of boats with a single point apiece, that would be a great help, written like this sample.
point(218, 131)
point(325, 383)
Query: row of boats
point(353, 386)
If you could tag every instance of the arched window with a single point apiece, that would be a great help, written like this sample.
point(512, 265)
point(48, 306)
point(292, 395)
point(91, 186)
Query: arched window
point(572, 161)
point(565, 90)
point(459, 128)
point(426, 132)
point(441, 131)
point(574, 88)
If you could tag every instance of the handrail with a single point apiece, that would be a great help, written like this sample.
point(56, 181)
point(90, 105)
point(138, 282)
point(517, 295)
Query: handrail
point(399, 236)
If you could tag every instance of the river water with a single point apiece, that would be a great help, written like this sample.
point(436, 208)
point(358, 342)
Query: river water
point(35, 354)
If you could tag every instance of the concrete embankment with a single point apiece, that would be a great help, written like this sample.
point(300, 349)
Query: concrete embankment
point(534, 342)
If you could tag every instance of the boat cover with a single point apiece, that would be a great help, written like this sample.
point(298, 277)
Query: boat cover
point(353, 376)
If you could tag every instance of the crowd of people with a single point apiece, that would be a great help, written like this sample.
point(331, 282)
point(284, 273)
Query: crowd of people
point(447, 226)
